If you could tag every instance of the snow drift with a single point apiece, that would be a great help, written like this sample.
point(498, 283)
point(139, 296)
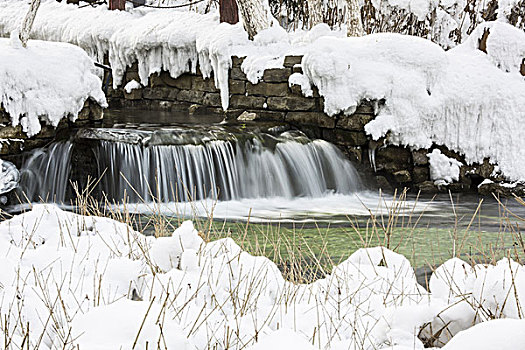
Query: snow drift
point(97, 283)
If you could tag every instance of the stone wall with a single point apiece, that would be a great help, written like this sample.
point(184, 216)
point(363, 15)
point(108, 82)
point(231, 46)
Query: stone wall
point(13, 141)
point(272, 100)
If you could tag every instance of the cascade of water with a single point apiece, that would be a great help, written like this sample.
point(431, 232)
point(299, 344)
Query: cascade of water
point(45, 173)
point(224, 170)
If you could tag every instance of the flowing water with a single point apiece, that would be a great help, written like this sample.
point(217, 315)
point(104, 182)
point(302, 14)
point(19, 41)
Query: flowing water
point(196, 169)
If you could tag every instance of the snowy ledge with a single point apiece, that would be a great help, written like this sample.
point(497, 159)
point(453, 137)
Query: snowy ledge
point(45, 82)
point(106, 286)
point(467, 100)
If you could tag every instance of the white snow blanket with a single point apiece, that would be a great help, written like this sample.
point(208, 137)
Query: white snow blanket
point(469, 101)
point(45, 82)
point(69, 280)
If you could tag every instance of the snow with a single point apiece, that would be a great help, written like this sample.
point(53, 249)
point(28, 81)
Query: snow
point(443, 170)
point(9, 176)
point(132, 85)
point(45, 82)
point(103, 285)
point(457, 98)
point(503, 334)
point(303, 82)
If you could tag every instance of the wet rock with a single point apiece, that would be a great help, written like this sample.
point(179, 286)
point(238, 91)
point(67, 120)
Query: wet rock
point(402, 176)
point(383, 183)
point(427, 187)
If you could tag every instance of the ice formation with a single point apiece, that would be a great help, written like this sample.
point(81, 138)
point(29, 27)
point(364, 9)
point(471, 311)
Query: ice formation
point(97, 283)
point(45, 82)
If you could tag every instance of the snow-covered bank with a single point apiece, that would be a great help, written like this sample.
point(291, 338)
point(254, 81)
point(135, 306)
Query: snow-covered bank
point(45, 82)
point(96, 283)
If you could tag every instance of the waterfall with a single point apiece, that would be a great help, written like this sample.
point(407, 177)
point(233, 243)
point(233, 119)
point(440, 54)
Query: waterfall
point(224, 170)
point(45, 173)
point(174, 166)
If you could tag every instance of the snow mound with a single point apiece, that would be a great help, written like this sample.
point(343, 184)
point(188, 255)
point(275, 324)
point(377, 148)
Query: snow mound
point(106, 286)
point(45, 82)
point(443, 170)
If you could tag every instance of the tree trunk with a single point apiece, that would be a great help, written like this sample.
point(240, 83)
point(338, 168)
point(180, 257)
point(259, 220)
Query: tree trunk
point(229, 12)
point(255, 16)
point(27, 24)
point(354, 25)
point(117, 5)
point(315, 12)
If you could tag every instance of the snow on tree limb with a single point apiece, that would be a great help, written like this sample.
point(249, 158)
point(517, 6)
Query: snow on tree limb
point(27, 24)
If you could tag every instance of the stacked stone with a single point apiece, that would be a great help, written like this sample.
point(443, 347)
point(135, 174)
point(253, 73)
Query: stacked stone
point(14, 141)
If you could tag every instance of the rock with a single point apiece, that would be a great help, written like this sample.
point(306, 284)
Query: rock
point(383, 183)
point(269, 115)
point(212, 99)
point(164, 79)
point(135, 94)
point(392, 158)
point(237, 61)
point(236, 73)
point(277, 75)
point(419, 157)
point(355, 154)
point(356, 121)
point(366, 107)
point(237, 87)
point(291, 103)
point(310, 118)
point(297, 69)
point(247, 116)
point(190, 96)
point(421, 174)
point(247, 102)
point(200, 84)
point(291, 61)
point(267, 89)
point(402, 176)
point(427, 187)
point(159, 93)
